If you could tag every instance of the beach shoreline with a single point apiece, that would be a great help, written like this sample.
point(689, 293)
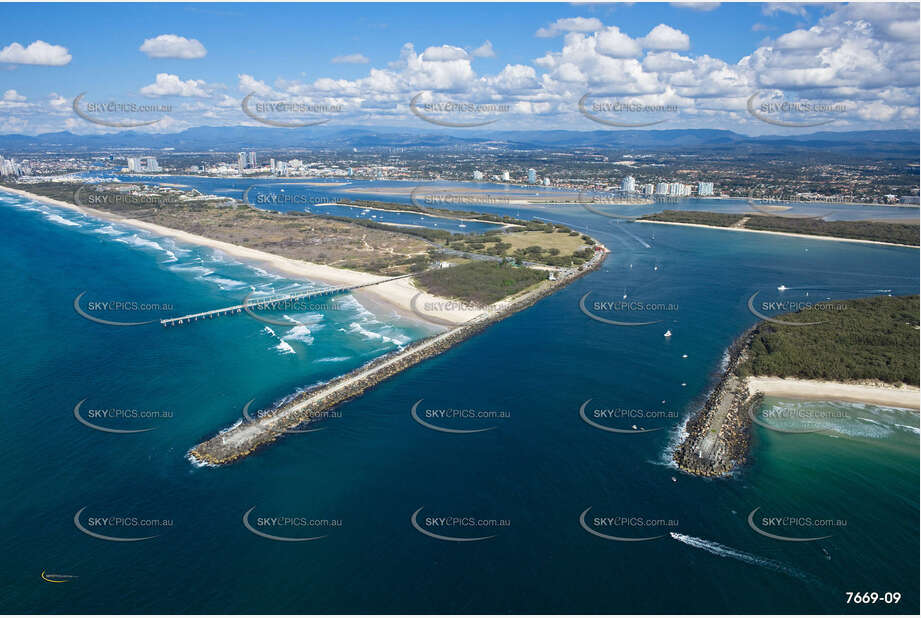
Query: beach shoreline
point(399, 293)
point(884, 395)
point(793, 234)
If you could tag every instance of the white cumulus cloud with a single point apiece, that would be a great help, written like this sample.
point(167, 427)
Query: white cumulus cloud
point(38, 52)
point(570, 24)
point(171, 85)
point(173, 46)
point(484, 51)
point(664, 37)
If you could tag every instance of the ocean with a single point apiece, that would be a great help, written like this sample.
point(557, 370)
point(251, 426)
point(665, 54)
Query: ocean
point(374, 487)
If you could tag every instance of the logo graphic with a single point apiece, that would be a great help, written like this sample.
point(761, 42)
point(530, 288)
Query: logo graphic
point(751, 524)
point(623, 539)
point(611, 429)
point(607, 321)
point(272, 537)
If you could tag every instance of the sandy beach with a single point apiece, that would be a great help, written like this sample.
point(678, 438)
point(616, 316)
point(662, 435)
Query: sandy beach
point(742, 229)
point(399, 294)
point(903, 396)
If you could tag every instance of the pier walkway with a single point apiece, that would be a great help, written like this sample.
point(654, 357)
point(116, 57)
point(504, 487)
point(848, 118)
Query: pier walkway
point(270, 300)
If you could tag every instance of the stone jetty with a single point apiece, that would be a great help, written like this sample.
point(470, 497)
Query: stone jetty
point(718, 435)
point(246, 437)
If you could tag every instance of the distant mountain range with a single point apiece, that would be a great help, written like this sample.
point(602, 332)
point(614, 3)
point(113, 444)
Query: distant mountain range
point(894, 142)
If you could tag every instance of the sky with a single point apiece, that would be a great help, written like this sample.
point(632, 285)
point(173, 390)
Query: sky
point(738, 66)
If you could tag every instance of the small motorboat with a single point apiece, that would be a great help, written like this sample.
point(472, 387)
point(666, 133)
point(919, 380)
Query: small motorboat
point(781, 287)
point(668, 333)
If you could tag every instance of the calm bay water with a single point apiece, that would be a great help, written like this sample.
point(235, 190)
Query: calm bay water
point(371, 468)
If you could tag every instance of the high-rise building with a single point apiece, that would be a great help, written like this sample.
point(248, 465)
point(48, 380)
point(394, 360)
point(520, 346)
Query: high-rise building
point(704, 189)
point(477, 175)
point(9, 167)
point(662, 188)
point(649, 188)
point(149, 164)
point(546, 181)
point(532, 176)
point(133, 164)
point(251, 160)
point(351, 172)
point(272, 165)
point(628, 185)
point(241, 161)
point(505, 176)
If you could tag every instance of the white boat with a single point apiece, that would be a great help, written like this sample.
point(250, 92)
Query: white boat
point(781, 287)
point(668, 333)
point(461, 225)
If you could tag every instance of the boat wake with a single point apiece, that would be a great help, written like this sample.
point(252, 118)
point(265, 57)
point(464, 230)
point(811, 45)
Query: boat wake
point(728, 552)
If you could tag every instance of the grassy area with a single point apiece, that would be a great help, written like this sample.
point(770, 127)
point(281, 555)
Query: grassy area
point(296, 235)
point(874, 338)
point(899, 233)
point(480, 283)
point(543, 243)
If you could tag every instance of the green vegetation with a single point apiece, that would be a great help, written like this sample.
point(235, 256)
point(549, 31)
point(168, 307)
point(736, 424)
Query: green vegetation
point(899, 233)
point(695, 216)
point(338, 242)
point(481, 283)
point(872, 338)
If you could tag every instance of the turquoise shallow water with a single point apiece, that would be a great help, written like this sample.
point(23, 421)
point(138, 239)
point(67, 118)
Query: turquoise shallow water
point(372, 466)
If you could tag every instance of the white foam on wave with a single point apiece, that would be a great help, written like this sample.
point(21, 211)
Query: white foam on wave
point(109, 230)
point(139, 241)
point(283, 346)
point(723, 551)
point(333, 359)
point(357, 328)
point(50, 216)
point(299, 333)
point(223, 282)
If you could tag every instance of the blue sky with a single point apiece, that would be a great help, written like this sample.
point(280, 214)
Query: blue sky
point(704, 61)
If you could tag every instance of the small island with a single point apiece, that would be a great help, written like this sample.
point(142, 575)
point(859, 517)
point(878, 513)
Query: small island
point(865, 351)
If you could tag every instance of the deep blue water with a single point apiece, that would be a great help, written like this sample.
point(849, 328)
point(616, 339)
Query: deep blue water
point(373, 466)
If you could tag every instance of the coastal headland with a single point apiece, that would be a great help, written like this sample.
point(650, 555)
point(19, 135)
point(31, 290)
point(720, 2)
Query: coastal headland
point(811, 361)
